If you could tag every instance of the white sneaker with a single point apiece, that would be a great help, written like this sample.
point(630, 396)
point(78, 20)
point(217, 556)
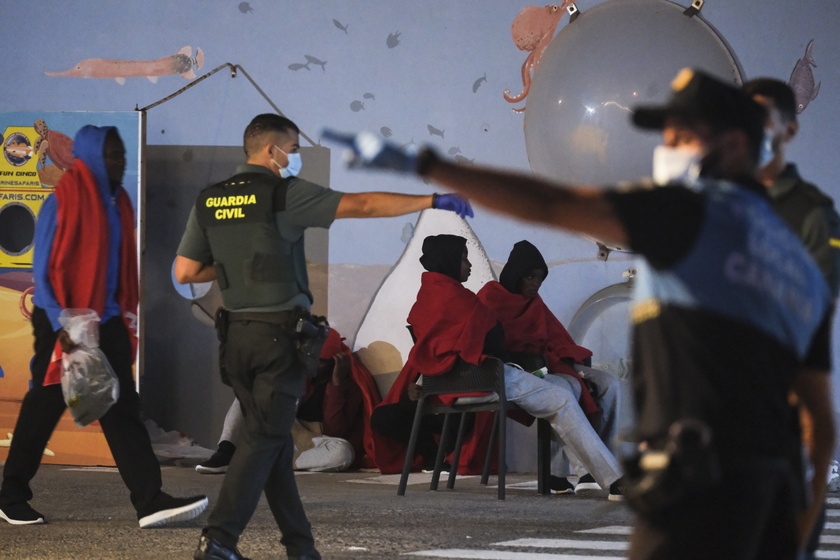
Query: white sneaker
point(587, 487)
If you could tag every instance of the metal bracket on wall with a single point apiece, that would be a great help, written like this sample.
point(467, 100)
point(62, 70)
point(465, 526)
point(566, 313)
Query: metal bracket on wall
point(234, 68)
point(694, 9)
point(574, 12)
point(603, 251)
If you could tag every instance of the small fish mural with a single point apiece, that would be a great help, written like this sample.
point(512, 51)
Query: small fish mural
point(181, 63)
point(340, 25)
point(393, 39)
point(312, 60)
point(463, 160)
point(369, 96)
point(357, 106)
point(245, 8)
point(17, 149)
point(532, 30)
point(386, 132)
point(802, 79)
point(478, 82)
point(435, 131)
point(454, 150)
point(297, 66)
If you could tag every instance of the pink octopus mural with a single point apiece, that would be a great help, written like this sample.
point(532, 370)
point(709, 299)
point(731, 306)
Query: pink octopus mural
point(532, 30)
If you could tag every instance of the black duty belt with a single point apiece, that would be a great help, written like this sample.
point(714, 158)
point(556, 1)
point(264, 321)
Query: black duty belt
point(273, 317)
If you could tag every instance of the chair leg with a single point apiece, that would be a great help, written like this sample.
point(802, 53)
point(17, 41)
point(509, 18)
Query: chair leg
point(412, 444)
point(440, 453)
point(485, 475)
point(502, 418)
point(456, 457)
point(543, 455)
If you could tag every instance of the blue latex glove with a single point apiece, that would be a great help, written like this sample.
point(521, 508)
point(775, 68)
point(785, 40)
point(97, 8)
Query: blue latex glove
point(453, 203)
point(368, 150)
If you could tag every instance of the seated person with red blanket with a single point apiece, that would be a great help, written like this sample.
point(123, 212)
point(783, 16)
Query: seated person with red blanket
point(332, 427)
point(393, 418)
point(531, 327)
point(450, 322)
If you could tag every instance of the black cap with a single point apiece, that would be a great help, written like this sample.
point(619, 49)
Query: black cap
point(697, 95)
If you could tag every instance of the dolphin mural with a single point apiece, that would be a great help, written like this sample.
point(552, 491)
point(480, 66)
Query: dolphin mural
point(180, 63)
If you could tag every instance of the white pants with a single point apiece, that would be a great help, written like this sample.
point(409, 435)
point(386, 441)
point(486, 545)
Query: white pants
point(554, 399)
point(329, 454)
point(611, 396)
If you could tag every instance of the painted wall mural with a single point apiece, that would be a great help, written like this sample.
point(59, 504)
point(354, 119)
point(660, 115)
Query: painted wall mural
point(182, 63)
point(532, 31)
point(416, 73)
point(802, 79)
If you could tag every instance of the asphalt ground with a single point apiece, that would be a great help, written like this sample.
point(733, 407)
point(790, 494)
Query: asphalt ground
point(355, 515)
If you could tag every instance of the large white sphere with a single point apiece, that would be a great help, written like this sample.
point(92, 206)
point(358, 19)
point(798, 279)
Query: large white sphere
point(613, 57)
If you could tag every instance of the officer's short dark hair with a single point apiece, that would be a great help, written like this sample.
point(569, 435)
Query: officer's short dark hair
point(777, 91)
point(254, 138)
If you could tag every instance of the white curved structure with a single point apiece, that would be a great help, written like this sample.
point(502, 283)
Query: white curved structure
point(382, 341)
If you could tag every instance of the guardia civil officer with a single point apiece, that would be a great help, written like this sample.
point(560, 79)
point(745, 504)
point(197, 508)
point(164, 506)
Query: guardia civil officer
point(247, 233)
point(730, 313)
point(809, 211)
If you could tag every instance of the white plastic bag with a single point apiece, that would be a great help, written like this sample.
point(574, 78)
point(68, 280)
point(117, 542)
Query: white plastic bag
point(88, 382)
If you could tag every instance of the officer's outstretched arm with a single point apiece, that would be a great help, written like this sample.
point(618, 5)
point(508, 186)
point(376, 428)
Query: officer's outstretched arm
point(188, 271)
point(380, 204)
point(385, 204)
point(575, 208)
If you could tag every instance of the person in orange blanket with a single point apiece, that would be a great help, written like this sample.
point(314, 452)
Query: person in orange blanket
point(85, 258)
point(332, 428)
point(450, 322)
point(531, 327)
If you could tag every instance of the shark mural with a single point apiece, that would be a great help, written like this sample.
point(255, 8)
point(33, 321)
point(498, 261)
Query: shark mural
point(181, 63)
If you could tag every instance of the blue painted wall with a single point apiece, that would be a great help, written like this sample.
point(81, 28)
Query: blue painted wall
point(409, 66)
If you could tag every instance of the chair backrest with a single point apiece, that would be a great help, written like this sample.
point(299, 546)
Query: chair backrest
point(467, 378)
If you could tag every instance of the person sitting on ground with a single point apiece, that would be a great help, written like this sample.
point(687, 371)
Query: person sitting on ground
point(332, 430)
point(451, 323)
point(531, 328)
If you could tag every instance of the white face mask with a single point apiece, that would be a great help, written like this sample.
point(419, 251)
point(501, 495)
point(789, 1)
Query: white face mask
point(767, 154)
point(294, 166)
point(675, 165)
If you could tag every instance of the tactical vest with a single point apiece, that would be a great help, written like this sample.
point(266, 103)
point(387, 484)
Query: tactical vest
point(746, 266)
point(255, 265)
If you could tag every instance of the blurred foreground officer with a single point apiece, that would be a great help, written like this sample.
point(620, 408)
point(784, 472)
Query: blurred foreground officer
point(247, 233)
point(730, 313)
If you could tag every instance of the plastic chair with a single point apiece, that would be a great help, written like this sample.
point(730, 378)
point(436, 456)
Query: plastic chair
point(468, 378)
